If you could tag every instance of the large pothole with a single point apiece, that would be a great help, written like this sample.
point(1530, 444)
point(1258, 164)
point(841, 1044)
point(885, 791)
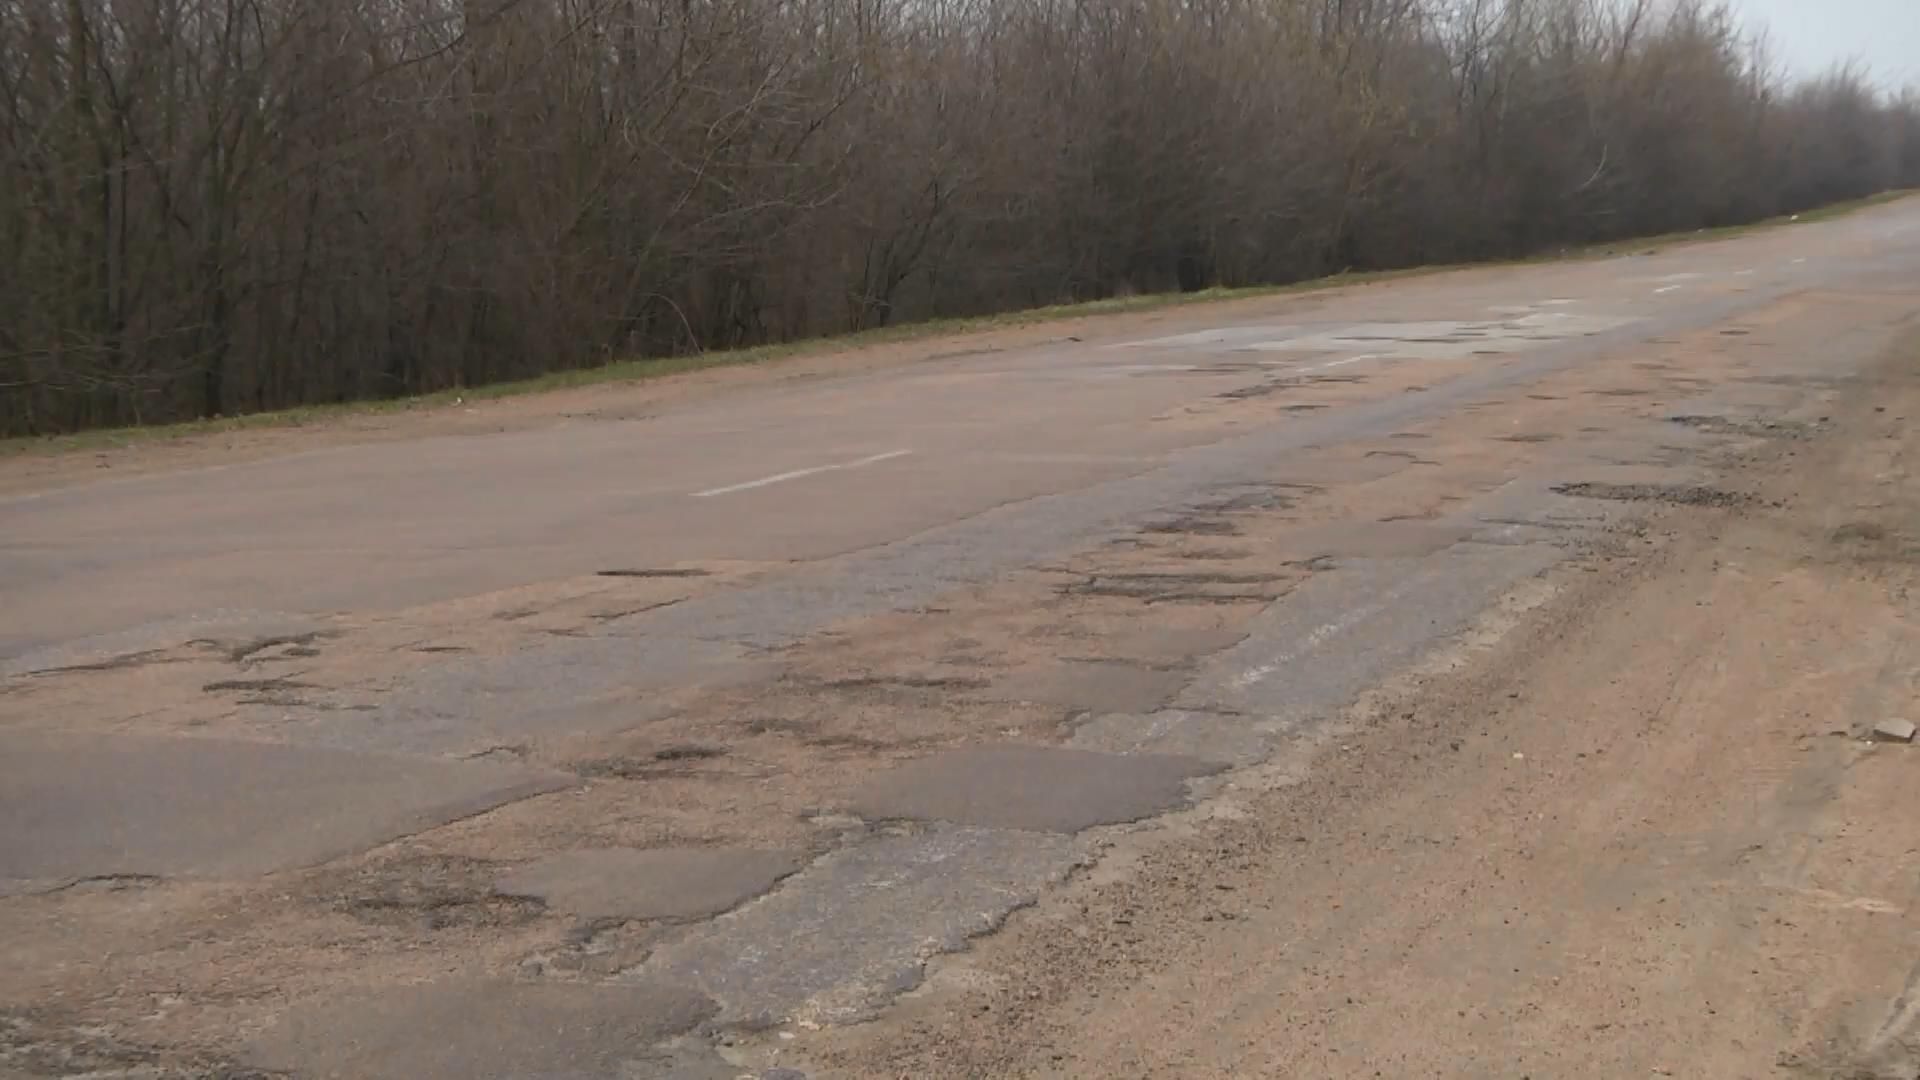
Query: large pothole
point(428, 892)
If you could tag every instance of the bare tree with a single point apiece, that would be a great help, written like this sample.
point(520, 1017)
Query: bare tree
point(216, 206)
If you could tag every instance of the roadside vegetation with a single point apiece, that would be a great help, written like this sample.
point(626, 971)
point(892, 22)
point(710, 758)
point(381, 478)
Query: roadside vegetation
point(220, 207)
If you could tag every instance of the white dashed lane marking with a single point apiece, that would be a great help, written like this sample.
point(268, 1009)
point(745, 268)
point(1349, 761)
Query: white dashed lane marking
point(780, 478)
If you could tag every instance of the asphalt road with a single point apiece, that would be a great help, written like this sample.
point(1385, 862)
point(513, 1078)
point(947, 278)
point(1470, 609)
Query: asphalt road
point(799, 474)
point(708, 723)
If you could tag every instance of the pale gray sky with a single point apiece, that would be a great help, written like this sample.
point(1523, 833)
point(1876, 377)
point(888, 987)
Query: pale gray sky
point(1811, 35)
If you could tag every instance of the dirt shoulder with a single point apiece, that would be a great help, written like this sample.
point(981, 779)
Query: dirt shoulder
point(1632, 831)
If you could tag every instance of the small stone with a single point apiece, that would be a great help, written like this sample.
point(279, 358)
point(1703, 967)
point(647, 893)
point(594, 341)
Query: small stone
point(1900, 731)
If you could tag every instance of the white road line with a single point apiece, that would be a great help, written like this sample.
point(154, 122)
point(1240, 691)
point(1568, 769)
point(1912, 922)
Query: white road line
point(1797, 262)
point(1668, 289)
point(796, 474)
point(1348, 360)
point(1133, 369)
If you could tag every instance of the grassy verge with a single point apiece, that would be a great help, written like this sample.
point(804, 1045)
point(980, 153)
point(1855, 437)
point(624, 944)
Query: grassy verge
point(635, 370)
point(1809, 217)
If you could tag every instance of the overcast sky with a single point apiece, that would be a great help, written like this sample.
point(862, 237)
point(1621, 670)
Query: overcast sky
point(1811, 35)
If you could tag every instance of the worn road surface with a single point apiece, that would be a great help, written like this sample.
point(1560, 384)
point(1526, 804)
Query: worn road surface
point(1472, 674)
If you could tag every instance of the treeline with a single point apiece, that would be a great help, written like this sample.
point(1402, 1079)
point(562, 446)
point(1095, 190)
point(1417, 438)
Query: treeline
point(218, 206)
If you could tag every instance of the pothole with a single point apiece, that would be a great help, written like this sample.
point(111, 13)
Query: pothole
point(1258, 390)
point(1194, 525)
point(499, 752)
point(670, 572)
point(111, 883)
point(908, 682)
point(687, 753)
point(666, 761)
point(1211, 554)
point(112, 663)
point(277, 647)
point(1758, 429)
point(428, 892)
point(1674, 494)
point(1249, 501)
point(1826, 381)
point(257, 686)
point(1408, 456)
point(862, 743)
point(622, 613)
point(1178, 587)
point(779, 725)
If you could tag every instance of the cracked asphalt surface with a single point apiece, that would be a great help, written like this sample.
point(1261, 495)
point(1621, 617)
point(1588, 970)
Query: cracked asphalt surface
point(1166, 694)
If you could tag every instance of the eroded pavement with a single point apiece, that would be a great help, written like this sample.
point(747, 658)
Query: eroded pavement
point(687, 745)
